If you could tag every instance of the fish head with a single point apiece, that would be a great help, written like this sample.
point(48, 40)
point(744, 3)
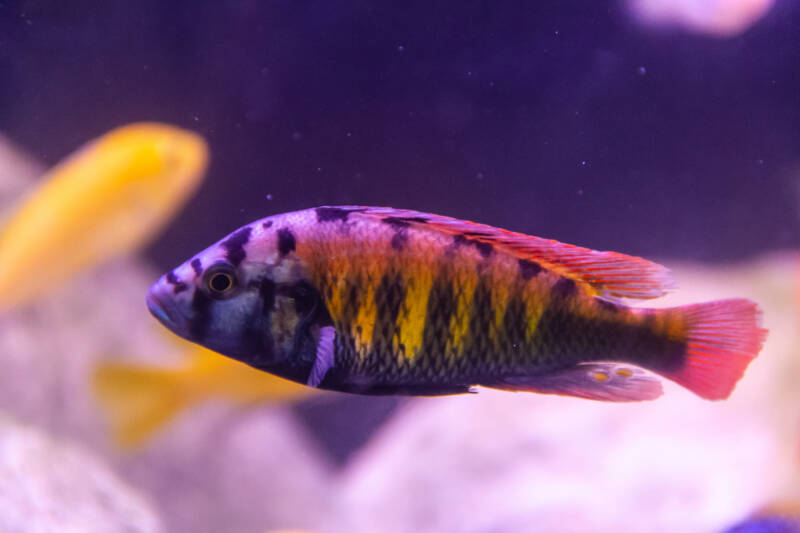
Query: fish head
point(245, 297)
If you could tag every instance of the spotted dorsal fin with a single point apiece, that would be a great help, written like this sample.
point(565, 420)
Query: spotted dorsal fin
point(607, 274)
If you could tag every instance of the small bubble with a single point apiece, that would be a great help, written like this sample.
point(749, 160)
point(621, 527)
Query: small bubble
point(400, 48)
point(196, 118)
point(479, 175)
point(580, 192)
point(469, 73)
point(269, 197)
point(319, 169)
point(583, 163)
point(642, 71)
point(556, 32)
point(349, 134)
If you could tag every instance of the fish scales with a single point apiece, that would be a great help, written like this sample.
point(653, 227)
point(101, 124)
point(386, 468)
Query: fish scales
point(420, 281)
point(384, 301)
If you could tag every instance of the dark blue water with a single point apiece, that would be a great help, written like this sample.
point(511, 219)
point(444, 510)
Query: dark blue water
point(567, 120)
point(564, 120)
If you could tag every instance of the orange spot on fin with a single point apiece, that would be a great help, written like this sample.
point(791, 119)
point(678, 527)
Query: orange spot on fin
point(606, 382)
point(724, 336)
point(609, 274)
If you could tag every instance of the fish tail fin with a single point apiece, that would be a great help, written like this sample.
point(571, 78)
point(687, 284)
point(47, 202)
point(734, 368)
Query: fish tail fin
point(138, 399)
point(722, 337)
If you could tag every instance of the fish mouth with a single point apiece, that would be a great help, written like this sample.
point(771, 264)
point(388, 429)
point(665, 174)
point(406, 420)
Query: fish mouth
point(165, 312)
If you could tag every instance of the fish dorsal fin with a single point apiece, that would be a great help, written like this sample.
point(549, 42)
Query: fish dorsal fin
point(608, 274)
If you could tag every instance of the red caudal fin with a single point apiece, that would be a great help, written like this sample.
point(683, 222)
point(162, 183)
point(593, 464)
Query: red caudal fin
point(723, 337)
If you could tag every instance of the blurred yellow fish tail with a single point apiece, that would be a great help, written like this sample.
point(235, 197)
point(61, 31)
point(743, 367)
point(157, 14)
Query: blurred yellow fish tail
point(108, 199)
point(139, 399)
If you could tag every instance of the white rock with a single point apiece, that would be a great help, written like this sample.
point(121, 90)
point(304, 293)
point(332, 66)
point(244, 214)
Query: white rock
point(50, 485)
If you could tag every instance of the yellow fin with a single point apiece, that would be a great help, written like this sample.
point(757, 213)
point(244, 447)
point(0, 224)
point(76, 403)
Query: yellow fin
point(138, 399)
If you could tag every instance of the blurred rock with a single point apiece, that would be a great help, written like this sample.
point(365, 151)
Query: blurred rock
point(215, 469)
point(49, 485)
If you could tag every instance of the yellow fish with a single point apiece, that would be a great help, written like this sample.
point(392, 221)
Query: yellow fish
point(141, 399)
point(108, 199)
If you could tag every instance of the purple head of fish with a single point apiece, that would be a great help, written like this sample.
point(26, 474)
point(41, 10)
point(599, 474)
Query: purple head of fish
point(162, 304)
point(214, 300)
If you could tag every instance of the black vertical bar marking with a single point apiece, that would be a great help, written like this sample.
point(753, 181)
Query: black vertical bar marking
point(197, 266)
point(201, 316)
point(331, 214)
point(529, 269)
point(286, 242)
point(564, 288)
point(234, 245)
point(441, 307)
point(478, 344)
point(515, 326)
point(484, 248)
point(266, 290)
point(399, 239)
point(177, 285)
point(389, 296)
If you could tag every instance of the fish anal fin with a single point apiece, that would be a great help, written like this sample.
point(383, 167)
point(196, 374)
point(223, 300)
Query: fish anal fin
point(608, 382)
point(608, 274)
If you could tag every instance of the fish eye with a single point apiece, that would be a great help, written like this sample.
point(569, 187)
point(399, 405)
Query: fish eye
point(220, 280)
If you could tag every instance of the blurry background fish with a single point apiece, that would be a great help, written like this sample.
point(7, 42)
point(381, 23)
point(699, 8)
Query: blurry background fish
point(108, 199)
point(141, 398)
point(723, 18)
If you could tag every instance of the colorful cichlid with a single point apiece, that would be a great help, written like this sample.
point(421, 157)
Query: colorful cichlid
point(106, 200)
point(384, 301)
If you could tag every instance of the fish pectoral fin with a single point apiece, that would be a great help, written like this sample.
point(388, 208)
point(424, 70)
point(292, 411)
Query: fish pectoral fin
point(608, 382)
point(324, 359)
point(609, 274)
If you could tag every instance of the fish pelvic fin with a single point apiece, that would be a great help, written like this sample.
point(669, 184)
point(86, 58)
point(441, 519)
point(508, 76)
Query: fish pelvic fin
point(723, 337)
point(609, 275)
point(603, 381)
point(139, 400)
